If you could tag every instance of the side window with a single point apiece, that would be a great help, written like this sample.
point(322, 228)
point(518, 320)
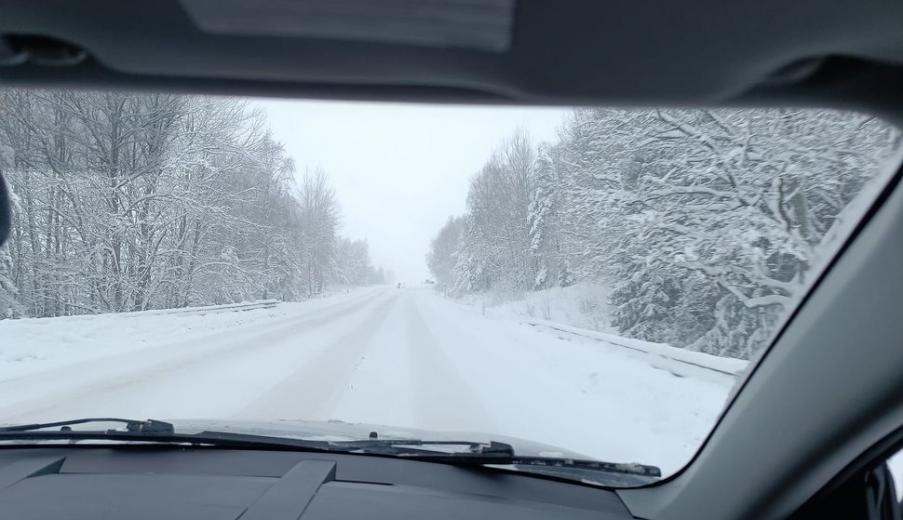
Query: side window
point(895, 464)
point(883, 491)
point(872, 494)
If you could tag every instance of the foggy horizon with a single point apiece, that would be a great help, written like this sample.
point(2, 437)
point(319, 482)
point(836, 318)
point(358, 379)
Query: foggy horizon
point(411, 165)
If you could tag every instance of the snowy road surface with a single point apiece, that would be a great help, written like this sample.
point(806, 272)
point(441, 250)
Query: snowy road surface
point(404, 357)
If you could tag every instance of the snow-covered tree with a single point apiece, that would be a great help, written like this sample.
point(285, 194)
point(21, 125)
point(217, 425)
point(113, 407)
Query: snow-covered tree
point(442, 255)
point(706, 225)
point(133, 201)
point(496, 235)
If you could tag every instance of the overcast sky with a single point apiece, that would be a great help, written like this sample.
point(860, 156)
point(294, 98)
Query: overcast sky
point(399, 170)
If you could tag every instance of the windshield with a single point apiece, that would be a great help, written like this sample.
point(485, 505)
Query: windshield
point(587, 283)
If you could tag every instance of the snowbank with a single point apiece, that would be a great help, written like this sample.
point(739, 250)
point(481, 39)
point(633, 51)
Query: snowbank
point(582, 310)
point(585, 394)
point(32, 345)
point(583, 305)
point(725, 365)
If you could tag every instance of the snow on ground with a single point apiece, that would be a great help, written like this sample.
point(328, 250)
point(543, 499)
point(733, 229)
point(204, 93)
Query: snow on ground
point(402, 357)
point(34, 345)
point(584, 305)
point(579, 393)
point(661, 355)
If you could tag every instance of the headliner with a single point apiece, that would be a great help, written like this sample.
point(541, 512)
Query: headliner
point(843, 53)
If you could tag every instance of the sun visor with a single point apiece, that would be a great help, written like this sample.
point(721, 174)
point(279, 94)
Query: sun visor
point(484, 25)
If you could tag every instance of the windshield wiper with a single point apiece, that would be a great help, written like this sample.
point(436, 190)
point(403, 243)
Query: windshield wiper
point(416, 447)
point(131, 425)
point(494, 453)
point(152, 430)
point(155, 431)
point(474, 453)
point(160, 431)
point(502, 454)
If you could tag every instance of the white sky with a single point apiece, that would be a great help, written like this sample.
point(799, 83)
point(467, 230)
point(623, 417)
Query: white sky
point(399, 170)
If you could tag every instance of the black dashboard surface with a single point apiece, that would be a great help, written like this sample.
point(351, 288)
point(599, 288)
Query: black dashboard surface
point(140, 482)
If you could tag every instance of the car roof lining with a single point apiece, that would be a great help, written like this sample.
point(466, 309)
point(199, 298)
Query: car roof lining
point(566, 52)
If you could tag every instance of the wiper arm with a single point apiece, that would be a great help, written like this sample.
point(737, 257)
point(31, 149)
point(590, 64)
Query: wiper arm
point(589, 465)
point(476, 454)
point(501, 458)
point(395, 448)
point(414, 448)
point(493, 453)
point(159, 431)
point(132, 425)
point(421, 447)
point(156, 431)
point(163, 432)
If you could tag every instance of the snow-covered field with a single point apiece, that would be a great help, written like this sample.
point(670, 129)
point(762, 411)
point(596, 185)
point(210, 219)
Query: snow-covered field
point(404, 357)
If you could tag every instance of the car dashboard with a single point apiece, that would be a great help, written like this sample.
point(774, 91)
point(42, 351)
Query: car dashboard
point(150, 482)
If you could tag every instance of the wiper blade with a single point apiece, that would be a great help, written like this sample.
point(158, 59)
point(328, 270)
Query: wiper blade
point(164, 435)
point(551, 463)
point(159, 431)
point(163, 432)
point(486, 453)
point(493, 453)
point(521, 461)
point(476, 454)
point(426, 447)
point(132, 425)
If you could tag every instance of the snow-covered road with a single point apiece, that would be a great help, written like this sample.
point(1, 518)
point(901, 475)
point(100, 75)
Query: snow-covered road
point(404, 357)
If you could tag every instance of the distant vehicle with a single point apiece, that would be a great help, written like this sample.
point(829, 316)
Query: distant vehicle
point(428, 281)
